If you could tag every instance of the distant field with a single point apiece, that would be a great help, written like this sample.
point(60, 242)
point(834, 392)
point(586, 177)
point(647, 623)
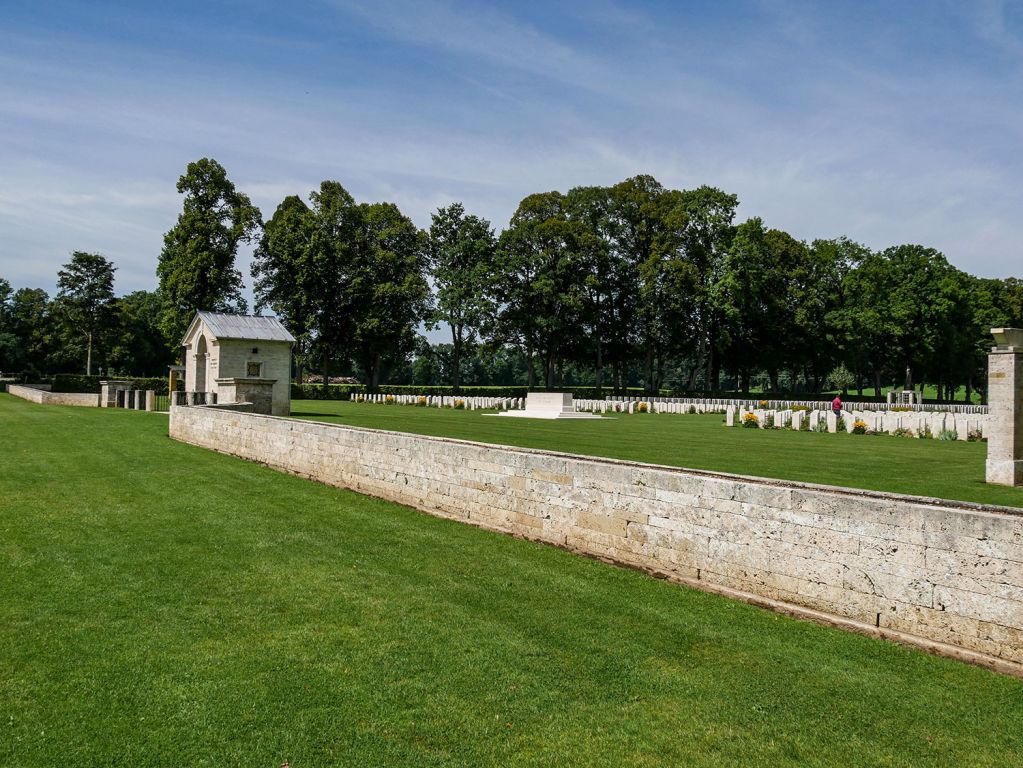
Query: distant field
point(951, 470)
point(165, 605)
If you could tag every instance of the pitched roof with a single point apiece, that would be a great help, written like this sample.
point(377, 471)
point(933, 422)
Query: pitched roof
point(228, 326)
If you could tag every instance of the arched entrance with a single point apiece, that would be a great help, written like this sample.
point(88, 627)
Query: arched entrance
point(201, 360)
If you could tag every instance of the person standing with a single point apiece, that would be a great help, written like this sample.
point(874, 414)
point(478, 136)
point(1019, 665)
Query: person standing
point(836, 406)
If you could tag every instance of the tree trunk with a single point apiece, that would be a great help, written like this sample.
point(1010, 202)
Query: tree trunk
point(88, 357)
point(375, 375)
point(326, 370)
point(599, 378)
point(456, 358)
point(549, 364)
point(530, 369)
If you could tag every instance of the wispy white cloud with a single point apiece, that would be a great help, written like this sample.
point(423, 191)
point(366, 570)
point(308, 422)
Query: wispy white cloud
point(815, 140)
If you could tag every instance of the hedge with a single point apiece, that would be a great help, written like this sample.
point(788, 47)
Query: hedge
point(74, 382)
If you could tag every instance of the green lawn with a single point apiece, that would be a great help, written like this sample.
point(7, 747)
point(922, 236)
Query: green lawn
point(951, 470)
point(165, 605)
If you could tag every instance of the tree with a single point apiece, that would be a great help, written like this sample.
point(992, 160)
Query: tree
point(85, 293)
point(461, 249)
point(196, 267)
point(610, 283)
point(8, 340)
point(282, 268)
point(140, 348)
point(31, 323)
point(334, 252)
point(743, 298)
point(536, 282)
point(388, 287)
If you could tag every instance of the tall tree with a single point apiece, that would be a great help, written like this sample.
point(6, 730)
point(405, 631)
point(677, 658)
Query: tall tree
point(744, 299)
point(85, 293)
point(32, 325)
point(282, 268)
point(8, 340)
point(140, 349)
point(461, 249)
point(709, 212)
point(536, 282)
point(335, 247)
point(389, 288)
point(610, 291)
point(638, 209)
point(196, 267)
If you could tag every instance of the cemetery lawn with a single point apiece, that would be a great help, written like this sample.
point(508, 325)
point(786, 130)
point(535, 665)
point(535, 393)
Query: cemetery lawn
point(949, 470)
point(165, 605)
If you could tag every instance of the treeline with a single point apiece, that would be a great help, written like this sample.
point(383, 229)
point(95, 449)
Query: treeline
point(632, 284)
point(83, 328)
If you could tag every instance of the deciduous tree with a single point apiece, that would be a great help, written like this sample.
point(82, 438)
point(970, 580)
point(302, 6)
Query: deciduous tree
point(196, 267)
point(85, 294)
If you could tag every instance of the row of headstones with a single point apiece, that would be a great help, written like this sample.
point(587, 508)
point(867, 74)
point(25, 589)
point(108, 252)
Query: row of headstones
point(633, 406)
point(448, 401)
point(918, 424)
point(780, 405)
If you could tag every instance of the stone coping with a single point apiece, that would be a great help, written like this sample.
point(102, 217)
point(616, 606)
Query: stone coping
point(970, 506)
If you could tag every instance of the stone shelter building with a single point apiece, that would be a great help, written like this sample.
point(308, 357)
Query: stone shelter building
point(240, 358)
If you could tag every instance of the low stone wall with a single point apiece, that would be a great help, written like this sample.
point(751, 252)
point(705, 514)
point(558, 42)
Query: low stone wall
point(890, 565)
point(37, 395)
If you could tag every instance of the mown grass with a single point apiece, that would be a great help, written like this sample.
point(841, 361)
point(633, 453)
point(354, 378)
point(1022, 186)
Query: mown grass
point(949, 470)
point(165, 605)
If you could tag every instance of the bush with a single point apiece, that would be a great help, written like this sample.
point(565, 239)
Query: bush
point(821, 426)
point(841, 378)
point(903, 432)
point(839, 424)
point(421, 402)
point(801, 408)
point(750, 421)
point(389, 400)
point(459, 405)
point(975, 436)
point(859, 427)
point(769, 421)
point(948, 434)
point(642, 408)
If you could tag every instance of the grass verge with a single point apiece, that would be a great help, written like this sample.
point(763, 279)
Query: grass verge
point(166, 605)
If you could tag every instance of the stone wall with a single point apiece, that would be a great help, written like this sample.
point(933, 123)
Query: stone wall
point(917, 570)
point(53, 398)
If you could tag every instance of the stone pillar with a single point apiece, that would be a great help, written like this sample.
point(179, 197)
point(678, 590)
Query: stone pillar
point(1004, 431)
point(150, 399)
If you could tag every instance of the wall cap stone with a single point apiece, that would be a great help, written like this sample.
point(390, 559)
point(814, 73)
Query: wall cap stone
point(968, 506)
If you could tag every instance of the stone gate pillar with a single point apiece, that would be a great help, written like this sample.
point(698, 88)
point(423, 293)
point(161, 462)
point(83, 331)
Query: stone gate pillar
point(1004, 430)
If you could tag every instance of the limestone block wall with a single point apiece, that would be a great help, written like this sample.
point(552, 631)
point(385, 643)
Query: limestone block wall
point(53, 398)
point(950, 573)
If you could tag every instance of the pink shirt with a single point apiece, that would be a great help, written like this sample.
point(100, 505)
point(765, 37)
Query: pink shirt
point(836, 404)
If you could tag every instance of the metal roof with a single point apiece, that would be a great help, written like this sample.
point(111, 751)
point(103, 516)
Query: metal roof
point(227, 326)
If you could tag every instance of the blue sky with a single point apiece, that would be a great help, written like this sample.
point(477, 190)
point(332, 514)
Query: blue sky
point(885, 122)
